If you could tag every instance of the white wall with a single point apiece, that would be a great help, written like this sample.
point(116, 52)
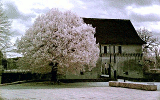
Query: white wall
point(132, 48)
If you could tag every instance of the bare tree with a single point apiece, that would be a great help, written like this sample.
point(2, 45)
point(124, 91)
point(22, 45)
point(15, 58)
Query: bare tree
point(147, 36)
point(4, 31)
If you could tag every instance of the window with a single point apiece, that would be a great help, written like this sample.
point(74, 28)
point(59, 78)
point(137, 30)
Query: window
point(105, 49)
point(119, 49)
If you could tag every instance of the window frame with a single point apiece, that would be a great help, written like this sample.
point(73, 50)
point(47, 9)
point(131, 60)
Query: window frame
point(105, 49)
point(119, 49)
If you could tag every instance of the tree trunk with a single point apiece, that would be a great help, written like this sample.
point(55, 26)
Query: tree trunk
point(54, 73)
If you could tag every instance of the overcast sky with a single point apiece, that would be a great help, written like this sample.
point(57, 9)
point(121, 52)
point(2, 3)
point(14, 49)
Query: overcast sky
point(142, 13)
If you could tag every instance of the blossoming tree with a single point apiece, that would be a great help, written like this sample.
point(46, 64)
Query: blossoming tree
point(59, 37)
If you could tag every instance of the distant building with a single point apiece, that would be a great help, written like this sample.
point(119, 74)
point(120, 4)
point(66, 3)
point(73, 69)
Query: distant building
point(12, 63)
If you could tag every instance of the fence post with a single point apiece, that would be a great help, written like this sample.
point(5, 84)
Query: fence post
point(1, 70)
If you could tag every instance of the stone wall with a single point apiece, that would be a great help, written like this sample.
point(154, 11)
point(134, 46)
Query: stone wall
point(130, 68)
point(128, 61)
point(131, 85)
point(121, 63)
point(93, 74)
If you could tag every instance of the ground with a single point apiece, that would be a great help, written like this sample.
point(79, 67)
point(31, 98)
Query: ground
point(74, 91)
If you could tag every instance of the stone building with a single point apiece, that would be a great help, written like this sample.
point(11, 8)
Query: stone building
point(120, 47)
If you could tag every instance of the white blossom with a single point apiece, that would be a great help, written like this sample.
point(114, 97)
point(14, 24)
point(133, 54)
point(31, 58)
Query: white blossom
point(60, 37)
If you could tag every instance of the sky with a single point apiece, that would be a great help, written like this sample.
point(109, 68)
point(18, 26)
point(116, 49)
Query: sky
point(142, 13)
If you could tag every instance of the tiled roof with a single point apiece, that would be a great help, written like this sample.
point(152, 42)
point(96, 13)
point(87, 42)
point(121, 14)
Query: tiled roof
point(114, 31)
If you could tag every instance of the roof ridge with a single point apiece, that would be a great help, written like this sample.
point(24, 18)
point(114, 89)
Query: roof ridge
point(106, 19)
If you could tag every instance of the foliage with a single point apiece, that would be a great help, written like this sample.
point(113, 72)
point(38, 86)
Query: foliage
point(157, 57)
point(60, 37)
point(4, 31)
point(149, 63)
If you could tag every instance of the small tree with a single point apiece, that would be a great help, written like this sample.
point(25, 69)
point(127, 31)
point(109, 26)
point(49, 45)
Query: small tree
point(60, 38)
point(151, 46)
point(4, 31)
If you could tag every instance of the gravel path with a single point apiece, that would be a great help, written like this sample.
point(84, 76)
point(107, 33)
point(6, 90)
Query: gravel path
point(74, 91)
